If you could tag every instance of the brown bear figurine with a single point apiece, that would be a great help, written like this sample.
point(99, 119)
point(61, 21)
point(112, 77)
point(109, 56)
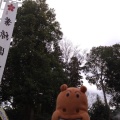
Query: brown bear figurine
point(71, 104)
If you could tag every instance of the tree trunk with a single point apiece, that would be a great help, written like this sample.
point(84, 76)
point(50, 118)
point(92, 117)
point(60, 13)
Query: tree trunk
point(104, 94)
point(29, 114)
point(105, 99)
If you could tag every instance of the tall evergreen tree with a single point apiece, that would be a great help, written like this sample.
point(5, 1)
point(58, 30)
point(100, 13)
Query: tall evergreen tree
point(74, 72)
point(34, 71)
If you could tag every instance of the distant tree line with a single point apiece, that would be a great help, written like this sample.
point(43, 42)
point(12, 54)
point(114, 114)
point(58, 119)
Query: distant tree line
point(38, 64)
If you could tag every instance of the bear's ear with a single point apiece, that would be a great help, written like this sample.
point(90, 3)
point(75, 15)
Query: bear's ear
point(83, 89)
point(63, 87)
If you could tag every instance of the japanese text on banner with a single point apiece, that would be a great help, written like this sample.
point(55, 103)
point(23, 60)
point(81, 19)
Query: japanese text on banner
point(6, 29)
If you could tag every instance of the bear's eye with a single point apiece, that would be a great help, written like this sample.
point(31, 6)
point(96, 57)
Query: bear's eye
point(77, 95)
point(67, 94)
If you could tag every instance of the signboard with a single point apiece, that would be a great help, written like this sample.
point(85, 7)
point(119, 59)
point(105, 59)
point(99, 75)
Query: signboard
point(6, 29)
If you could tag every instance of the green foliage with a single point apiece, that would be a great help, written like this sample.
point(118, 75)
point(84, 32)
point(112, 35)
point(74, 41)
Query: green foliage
point(115, 114)
point(115, 99)
point(113, 65)
point(98, 111)
point(74, 68)
point(102, 68)
point(113, 74)
point(103, 65)
point(34, 68)
point(95, 66)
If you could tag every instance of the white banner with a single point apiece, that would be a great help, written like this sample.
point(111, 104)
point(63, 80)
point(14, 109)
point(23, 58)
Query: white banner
point(6, 30)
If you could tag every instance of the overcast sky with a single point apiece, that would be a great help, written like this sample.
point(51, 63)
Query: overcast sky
point(88, 23)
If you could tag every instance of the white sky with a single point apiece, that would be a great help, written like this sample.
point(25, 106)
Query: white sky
point(88, 23)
